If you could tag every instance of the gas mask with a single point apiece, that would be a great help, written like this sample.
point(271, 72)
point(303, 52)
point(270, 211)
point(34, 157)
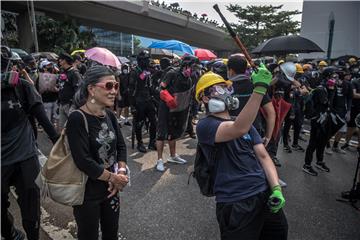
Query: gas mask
point(221, 99)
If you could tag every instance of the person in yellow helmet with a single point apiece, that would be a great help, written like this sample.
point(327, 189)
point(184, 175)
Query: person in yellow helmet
point(280, 62)
point(322, 65)
point(239, 146)
point(299, 68)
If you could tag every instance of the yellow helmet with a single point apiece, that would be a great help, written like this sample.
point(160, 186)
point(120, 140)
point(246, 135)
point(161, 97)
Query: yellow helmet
point(352, 60)
point(299, 68)
point(280, 62)
point(323, 64)
point(207, 80)
point(307, 67)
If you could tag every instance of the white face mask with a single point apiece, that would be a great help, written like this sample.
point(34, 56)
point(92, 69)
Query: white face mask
point(222, 103)
point(125, 71)
point(216, 106)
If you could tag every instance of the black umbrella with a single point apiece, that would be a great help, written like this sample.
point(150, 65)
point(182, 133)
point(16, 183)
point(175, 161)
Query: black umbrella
point(287, 44)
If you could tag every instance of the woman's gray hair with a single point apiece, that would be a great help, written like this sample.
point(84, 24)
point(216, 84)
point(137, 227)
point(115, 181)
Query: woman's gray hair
point(91, 77)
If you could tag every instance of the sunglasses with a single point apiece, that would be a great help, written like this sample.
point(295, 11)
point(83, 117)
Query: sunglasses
point(109, 85)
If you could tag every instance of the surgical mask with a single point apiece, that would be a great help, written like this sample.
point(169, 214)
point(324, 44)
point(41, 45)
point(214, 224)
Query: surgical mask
point(221, 99)
point(187, 72)
point(125, 71)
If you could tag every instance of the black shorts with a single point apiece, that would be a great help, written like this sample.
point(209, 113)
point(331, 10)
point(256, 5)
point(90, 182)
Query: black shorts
point(124, 101)
point(354, 112)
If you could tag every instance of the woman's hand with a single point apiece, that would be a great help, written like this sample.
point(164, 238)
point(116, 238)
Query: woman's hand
point(117, 183)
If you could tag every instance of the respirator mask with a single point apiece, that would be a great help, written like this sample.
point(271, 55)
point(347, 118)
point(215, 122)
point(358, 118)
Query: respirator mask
point(221, 99)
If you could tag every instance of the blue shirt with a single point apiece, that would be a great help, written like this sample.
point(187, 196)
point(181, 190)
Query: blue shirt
point(239, 174)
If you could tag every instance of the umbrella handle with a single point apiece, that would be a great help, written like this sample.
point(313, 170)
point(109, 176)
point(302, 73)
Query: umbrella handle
point(236, 38)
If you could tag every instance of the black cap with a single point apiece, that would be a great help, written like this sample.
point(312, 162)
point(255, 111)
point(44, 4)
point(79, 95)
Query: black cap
point(28, 58)
point(66, 57)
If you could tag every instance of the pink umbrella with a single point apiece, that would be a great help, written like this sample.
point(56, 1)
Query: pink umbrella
point(204, 54)
point(103, 56)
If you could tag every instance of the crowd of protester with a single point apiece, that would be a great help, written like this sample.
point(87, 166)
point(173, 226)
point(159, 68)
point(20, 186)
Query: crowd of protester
point(167, 99)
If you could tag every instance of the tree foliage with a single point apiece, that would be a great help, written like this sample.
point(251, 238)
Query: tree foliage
point(9, 33)
point(62, 36)
point(259, 23)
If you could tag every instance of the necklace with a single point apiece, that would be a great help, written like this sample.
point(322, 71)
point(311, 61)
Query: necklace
point(102, 116)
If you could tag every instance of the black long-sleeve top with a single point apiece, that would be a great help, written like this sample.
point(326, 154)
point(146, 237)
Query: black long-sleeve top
point(97, 150)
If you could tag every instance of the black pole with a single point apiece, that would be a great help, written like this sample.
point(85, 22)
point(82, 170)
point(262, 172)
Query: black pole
point(331, 35)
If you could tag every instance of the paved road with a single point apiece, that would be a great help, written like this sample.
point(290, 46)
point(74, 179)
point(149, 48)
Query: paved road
point(163, 206)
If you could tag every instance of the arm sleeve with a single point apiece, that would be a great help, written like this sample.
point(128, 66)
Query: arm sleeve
point(255, 136)
point(206, 130)
point(120, 142)
point(79, 143)
point(39, 113)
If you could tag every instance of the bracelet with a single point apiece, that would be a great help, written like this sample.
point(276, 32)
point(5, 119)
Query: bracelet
point(122, 169)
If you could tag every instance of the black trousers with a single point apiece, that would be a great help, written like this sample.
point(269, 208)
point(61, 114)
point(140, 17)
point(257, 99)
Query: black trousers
point(251, 219)
point(317, 142)
point(296, 123)
point(145, 110)
point(22, 175)
point(92, 212)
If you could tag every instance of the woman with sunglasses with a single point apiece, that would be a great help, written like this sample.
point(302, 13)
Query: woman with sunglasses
point(100, 153)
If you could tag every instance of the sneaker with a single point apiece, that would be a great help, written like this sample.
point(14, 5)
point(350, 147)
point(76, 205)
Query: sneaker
point(329, 151)
point(351, 195)
point(160, 165)
point(297, 147)
point(127, 123)
point(276, 162)
point(177, 159)
point(322, 166)
point(141, 148)
point(345, 146)
point(338, 150)
point(309, 170)
point(287, 149)
point(282, 183)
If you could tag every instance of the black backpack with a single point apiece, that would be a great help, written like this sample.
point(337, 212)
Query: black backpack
point(205, 170)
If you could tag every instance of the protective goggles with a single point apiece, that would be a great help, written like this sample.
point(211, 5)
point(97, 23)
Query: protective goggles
point(108, 85)
point(218, 90)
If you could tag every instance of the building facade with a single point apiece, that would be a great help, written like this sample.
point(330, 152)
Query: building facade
point(315, 26)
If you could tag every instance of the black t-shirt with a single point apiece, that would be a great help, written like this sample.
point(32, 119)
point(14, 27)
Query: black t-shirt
point(17, 136)
point(356, 101)
point(176, 82)
point(101, 148)
point(242, 90)
point(69, 86)
point(342, 96)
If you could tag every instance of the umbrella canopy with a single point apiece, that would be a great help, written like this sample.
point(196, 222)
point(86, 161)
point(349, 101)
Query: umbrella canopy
point(172, 45)
point(123, 60)
point(287, 44)
point(51, 56)
point(204, 54)
point(103, 56)
point(159, 53)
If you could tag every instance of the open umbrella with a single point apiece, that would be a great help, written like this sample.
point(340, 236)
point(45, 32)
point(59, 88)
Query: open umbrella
point(287, 44)
point(51, 56)
point(204, 54)
point(173, 45)
point(123, 60)
point(103, 56)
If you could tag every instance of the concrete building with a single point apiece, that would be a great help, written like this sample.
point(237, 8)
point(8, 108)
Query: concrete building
point(315, 26)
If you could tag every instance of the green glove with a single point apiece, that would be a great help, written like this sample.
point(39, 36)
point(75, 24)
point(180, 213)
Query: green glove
point(261, 79)
point(276, 200)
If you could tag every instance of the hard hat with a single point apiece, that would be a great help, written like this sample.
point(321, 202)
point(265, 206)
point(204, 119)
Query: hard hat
point(352, 60)
point(207, 80)
point(299, 68)
point(323, 64)
point(280, 62)
point(289, 69)
point(307, 67)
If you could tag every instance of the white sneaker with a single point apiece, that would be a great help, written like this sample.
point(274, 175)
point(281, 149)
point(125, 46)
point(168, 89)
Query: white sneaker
point(329, 151)
point(160, 165)
point(177, 159)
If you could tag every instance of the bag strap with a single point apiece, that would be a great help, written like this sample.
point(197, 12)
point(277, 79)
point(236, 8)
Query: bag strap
point(85, 120)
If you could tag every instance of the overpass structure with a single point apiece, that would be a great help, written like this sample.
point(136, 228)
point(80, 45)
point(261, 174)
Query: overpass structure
point(139, 18)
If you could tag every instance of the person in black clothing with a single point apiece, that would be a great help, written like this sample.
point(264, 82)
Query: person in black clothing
point(330, 108)
point(176, 93)
point(141, 99)
point(19, 161)
point(68, 84)
point(123, 96)
point(99, 153)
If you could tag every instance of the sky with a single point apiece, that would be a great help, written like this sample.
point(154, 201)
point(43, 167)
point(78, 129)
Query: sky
point(205, 6)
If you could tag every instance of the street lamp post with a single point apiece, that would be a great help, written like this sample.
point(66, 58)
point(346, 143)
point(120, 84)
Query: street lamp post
point(331, 35)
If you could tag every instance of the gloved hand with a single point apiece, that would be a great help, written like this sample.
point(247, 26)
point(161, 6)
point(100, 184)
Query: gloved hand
point(168, 99)
point(261, 79)
point(276, 200)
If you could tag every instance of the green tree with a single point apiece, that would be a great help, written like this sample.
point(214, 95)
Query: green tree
point(59, 36)
point(137, 45)
point(9, 29)
point(259, 23)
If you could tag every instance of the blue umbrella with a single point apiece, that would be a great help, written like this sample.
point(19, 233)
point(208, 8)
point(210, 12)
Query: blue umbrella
point(173, 45)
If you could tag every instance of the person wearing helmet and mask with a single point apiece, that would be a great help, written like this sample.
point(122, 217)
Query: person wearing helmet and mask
point(19, 155)
point(140, 92)
point(246, 177)
point(322, 65)
point(176, 92)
